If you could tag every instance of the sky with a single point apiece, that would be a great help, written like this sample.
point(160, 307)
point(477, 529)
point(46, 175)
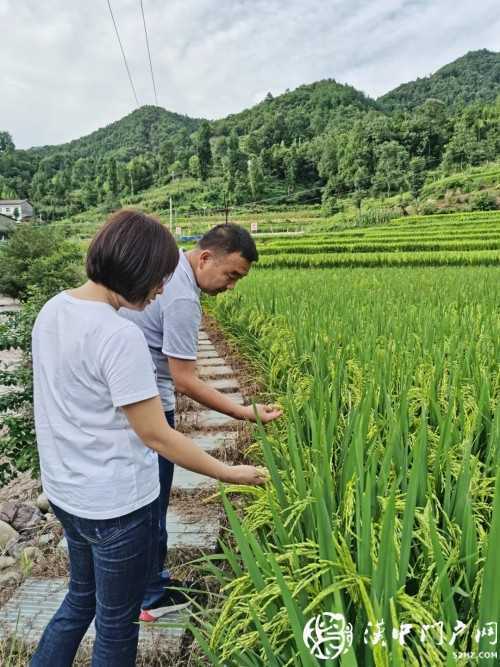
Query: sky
point(62, 74)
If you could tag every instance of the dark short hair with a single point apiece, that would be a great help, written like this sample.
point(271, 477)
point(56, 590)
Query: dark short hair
point(227, 238)
point(131, 254)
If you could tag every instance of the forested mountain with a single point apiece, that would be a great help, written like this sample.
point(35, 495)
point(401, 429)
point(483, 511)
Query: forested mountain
point(124, 157)
point(306, 111)
point(325, 138)
point(474, 77)
point(143, 130)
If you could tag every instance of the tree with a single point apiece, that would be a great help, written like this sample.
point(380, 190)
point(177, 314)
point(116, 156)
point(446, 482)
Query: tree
point(194, 166)
point(25, 246)
point(235, 159)
point(356, 157)
point(357, 199)
point(166, 155)
point(89, 195)
point(278, 129)
point(112, 179)
point(392, 167)
point(255, 176)
point(62, 269)
point(176, 169)
point(6, 143)
point(329, 202)
point(219, 150)
point(251, 144)
point(81, 171)
point(328, 164)
point(204, 150)
point(416, 176)
point(123, 177)
point(433, 131)
point(291, 167)
point(140, 174)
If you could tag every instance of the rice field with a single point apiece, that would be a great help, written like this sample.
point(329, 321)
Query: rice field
point(376, 541)
point(416, 241)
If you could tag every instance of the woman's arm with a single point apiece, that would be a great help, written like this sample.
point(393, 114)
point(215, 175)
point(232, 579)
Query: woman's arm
point(148, 421)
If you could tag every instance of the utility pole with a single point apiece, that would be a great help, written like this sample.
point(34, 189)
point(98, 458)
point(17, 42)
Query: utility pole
point(171, 214)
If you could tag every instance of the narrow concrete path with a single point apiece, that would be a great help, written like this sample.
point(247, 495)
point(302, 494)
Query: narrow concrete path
point(193, 527)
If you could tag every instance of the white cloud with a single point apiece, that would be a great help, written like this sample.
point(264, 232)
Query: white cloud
point(62, 75)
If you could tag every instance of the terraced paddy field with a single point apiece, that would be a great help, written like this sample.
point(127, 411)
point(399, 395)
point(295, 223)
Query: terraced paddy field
point(439, 240)
point(376, 542)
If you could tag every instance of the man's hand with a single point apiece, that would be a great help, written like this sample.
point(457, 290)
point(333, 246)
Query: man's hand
point(267, 413)
point(245, 475)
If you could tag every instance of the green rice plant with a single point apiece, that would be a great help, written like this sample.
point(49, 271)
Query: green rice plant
point(489, 606)
point(380, 503)
point(381, 259)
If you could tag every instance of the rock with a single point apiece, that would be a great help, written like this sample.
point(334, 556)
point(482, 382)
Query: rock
point(46, 539)
point(15, 547)
point(7, 512)
point(6, 561)
point(7, 534)
point(20, 516)
point(42, 503)
point(10, 577)
point(31, 553)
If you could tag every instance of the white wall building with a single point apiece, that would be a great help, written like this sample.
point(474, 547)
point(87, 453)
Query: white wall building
point(19, 209)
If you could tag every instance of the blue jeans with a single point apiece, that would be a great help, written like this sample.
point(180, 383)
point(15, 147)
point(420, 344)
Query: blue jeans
point(109, 561)
point(160, 577)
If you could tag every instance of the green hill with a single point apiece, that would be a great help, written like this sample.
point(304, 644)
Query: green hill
point(474, 77)
point(320, 143)
point(303, 112)
point(143, 130)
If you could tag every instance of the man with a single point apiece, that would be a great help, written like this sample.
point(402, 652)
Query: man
point(170, 324)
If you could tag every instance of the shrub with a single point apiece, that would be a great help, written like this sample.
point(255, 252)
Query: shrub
point(55, 267)
point(428, 208)
point(483, 201)
point(26, 244)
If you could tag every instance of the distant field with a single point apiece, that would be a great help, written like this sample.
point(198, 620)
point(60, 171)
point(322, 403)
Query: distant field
point(439, 240)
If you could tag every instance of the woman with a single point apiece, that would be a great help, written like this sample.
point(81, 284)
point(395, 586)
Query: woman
point(99, 424)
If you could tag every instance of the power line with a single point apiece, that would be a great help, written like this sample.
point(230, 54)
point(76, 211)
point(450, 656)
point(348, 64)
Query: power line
point(123, 54)
point(149, 53)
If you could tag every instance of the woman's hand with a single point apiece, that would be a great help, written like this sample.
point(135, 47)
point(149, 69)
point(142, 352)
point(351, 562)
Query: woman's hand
point(243, 474)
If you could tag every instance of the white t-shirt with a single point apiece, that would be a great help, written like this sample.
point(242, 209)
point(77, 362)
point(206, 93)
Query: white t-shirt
point(170, 325)
point(87, 362)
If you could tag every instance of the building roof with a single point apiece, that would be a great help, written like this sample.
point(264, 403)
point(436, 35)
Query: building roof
point(13, 202)
point(6, 224)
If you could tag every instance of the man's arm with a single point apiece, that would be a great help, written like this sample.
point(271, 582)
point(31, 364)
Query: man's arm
point(186, 382)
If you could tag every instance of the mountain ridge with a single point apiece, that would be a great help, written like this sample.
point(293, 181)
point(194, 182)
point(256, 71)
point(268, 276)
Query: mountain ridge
point(159, 120)
point(472, 77)
point(326, 136)
point(402, 97)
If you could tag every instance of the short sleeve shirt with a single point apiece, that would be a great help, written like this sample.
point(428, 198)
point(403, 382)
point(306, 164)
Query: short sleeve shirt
point(171, 324)
point(88, 362)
